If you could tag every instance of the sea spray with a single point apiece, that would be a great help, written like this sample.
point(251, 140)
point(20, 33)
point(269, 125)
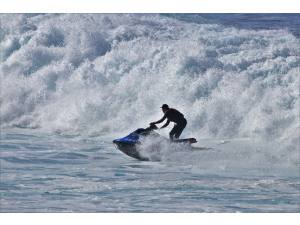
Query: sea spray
point(99, 74)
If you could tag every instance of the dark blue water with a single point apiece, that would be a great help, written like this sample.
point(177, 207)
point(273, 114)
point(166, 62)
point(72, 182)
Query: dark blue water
point(256, 21)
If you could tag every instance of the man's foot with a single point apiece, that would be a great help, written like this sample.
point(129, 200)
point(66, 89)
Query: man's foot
point(193, 140)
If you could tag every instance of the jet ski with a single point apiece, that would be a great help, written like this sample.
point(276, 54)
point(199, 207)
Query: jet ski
point(130, 144)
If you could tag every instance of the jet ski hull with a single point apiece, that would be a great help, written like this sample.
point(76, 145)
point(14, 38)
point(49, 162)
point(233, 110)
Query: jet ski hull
point(129, 144)
point(130, 149)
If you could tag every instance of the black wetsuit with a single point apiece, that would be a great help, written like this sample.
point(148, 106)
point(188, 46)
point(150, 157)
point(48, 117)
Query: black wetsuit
point(180, 122)
point(177, 117)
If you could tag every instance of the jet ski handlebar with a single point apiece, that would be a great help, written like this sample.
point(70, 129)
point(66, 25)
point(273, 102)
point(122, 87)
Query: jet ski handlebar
point(152, 127)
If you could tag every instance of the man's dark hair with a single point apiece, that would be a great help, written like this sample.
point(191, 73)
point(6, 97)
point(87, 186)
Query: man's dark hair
point(165, 106)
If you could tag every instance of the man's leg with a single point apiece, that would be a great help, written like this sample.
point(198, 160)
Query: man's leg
point(179, 129)
point(173, 132)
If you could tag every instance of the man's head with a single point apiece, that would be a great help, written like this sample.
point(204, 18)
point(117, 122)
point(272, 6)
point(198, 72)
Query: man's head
point(165, 108)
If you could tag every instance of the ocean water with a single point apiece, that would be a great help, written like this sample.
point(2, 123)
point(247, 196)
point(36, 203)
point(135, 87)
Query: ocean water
point(71, 83)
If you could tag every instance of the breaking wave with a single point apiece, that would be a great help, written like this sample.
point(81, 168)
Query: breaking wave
point(103, 73)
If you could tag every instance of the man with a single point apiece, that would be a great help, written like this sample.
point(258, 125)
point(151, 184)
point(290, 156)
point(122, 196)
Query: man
point(175, 116)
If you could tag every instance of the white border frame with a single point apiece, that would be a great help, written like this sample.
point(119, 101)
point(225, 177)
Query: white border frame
point(150, 6)
point(150, 219)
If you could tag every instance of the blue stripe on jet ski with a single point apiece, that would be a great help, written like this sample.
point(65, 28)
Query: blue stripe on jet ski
point(131, 138)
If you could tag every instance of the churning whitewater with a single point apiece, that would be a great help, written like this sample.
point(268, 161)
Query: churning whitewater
point(100, 76)
point(106, 73)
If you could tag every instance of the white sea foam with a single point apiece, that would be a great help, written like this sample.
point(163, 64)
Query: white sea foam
point(98, 74)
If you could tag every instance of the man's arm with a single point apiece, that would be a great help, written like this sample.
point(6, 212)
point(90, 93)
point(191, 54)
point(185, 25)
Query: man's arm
point(159, 121)
point(165, 125)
